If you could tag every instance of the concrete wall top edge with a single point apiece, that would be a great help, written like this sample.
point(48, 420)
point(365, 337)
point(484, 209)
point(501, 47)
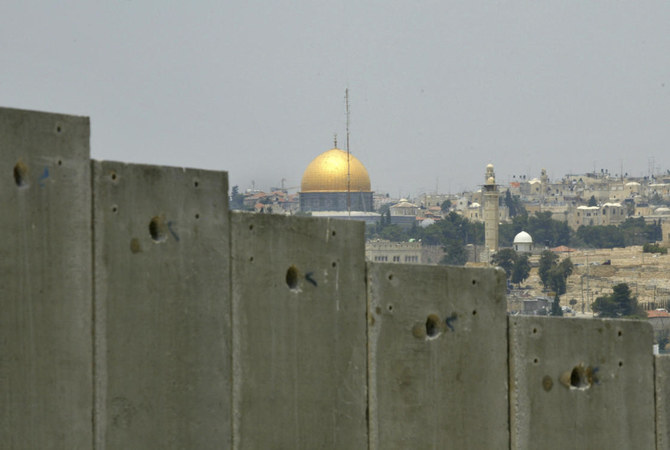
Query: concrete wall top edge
point(143, 166)
point(33, 112)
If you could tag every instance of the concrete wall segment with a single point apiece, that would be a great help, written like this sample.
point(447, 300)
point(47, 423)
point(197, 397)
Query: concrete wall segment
point(45, 294)
point(662, 384)
point(299, 332)
point(581, 383)
point(162, 307)
point(437, 357)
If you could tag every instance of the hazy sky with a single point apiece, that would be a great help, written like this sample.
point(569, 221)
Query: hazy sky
point(438, 89)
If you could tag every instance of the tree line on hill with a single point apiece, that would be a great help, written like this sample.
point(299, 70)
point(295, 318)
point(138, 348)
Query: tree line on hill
point(454, 232)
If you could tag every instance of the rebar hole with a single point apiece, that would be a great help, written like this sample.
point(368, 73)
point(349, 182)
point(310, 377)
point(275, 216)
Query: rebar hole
point(432, 326)
point(21, 174)
point(578, 378)
point(157, 229)
point(292, 277)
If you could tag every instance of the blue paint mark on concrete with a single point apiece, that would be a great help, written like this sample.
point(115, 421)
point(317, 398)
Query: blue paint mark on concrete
point(308, 277)
point(174, 234)
point(449, 321)
point(44, 176)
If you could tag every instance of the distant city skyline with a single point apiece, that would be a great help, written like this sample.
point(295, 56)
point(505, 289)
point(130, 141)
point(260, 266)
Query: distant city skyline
point(437, 89)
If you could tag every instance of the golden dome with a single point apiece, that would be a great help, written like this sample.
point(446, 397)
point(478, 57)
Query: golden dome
point(328, 172)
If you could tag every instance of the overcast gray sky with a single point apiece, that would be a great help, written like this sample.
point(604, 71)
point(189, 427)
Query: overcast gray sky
point(438, 89)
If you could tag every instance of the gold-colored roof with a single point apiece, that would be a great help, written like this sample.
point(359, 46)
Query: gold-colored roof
point(328, 172)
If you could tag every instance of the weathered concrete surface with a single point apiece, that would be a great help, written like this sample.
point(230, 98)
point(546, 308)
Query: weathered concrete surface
point(45, 293)
point(662, 365)
point(162, 307)
point(581, 383)
point(298, 332)
point(438, 357)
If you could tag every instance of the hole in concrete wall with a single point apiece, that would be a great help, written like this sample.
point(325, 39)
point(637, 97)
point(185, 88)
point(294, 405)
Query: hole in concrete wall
point(113, 176)
point(535, 361)
point(115, 208)
point(158, 230)
point(474, 312)
point(60, 162)
point(390, 277)
point(620, 363)
point(534, 330)
point(333, 233)
point(196, 183)
point(292, 277)
point(197, 216)
point(390, 308)
point(474, 282)
point(251, 259)
point(619, 333)
point(21, 174)
point(334, 264)
point(251, 227)
point(432, 326)
point(59, 129)
point(578, 378)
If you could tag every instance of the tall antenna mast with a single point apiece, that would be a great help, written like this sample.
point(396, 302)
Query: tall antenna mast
point(346, 101)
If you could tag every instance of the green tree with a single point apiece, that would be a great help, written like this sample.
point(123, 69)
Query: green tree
point(592, 201)
point(516, 267)
point(619, 303)
point(393, 233)
point(521, 270)
point(556, 307)
point(662, 339)
point(654, 248)
point(455, 254)
point(514, 205)
point(236, 199)
point(506, 258)
point(445, 206)
point(548, 231)
point(547, 261)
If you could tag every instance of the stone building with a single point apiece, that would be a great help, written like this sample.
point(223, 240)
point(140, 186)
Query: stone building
point(403, 214)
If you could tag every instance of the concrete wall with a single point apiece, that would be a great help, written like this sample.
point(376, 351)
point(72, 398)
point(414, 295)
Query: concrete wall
point(662, 382)
point(581, 383)
point(432, 331)
point(45, 293)
point(299, 332)
point(136, 313)
point(162, 307)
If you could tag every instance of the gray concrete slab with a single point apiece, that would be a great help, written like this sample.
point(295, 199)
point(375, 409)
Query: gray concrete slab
point(45, 293)
point(438, 357)
point(298, 332)
point(662, 385)
point(162, 307)
point(581, 383)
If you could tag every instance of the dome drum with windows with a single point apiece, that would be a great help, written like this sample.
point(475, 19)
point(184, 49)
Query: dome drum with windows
point(329, 180)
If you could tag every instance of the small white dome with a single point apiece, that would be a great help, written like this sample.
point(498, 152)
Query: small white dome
point(523, 238)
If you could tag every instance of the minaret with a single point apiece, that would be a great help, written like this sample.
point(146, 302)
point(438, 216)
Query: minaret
point(491, 217)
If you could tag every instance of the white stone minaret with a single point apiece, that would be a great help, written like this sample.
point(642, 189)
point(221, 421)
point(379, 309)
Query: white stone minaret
point(491, 218)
